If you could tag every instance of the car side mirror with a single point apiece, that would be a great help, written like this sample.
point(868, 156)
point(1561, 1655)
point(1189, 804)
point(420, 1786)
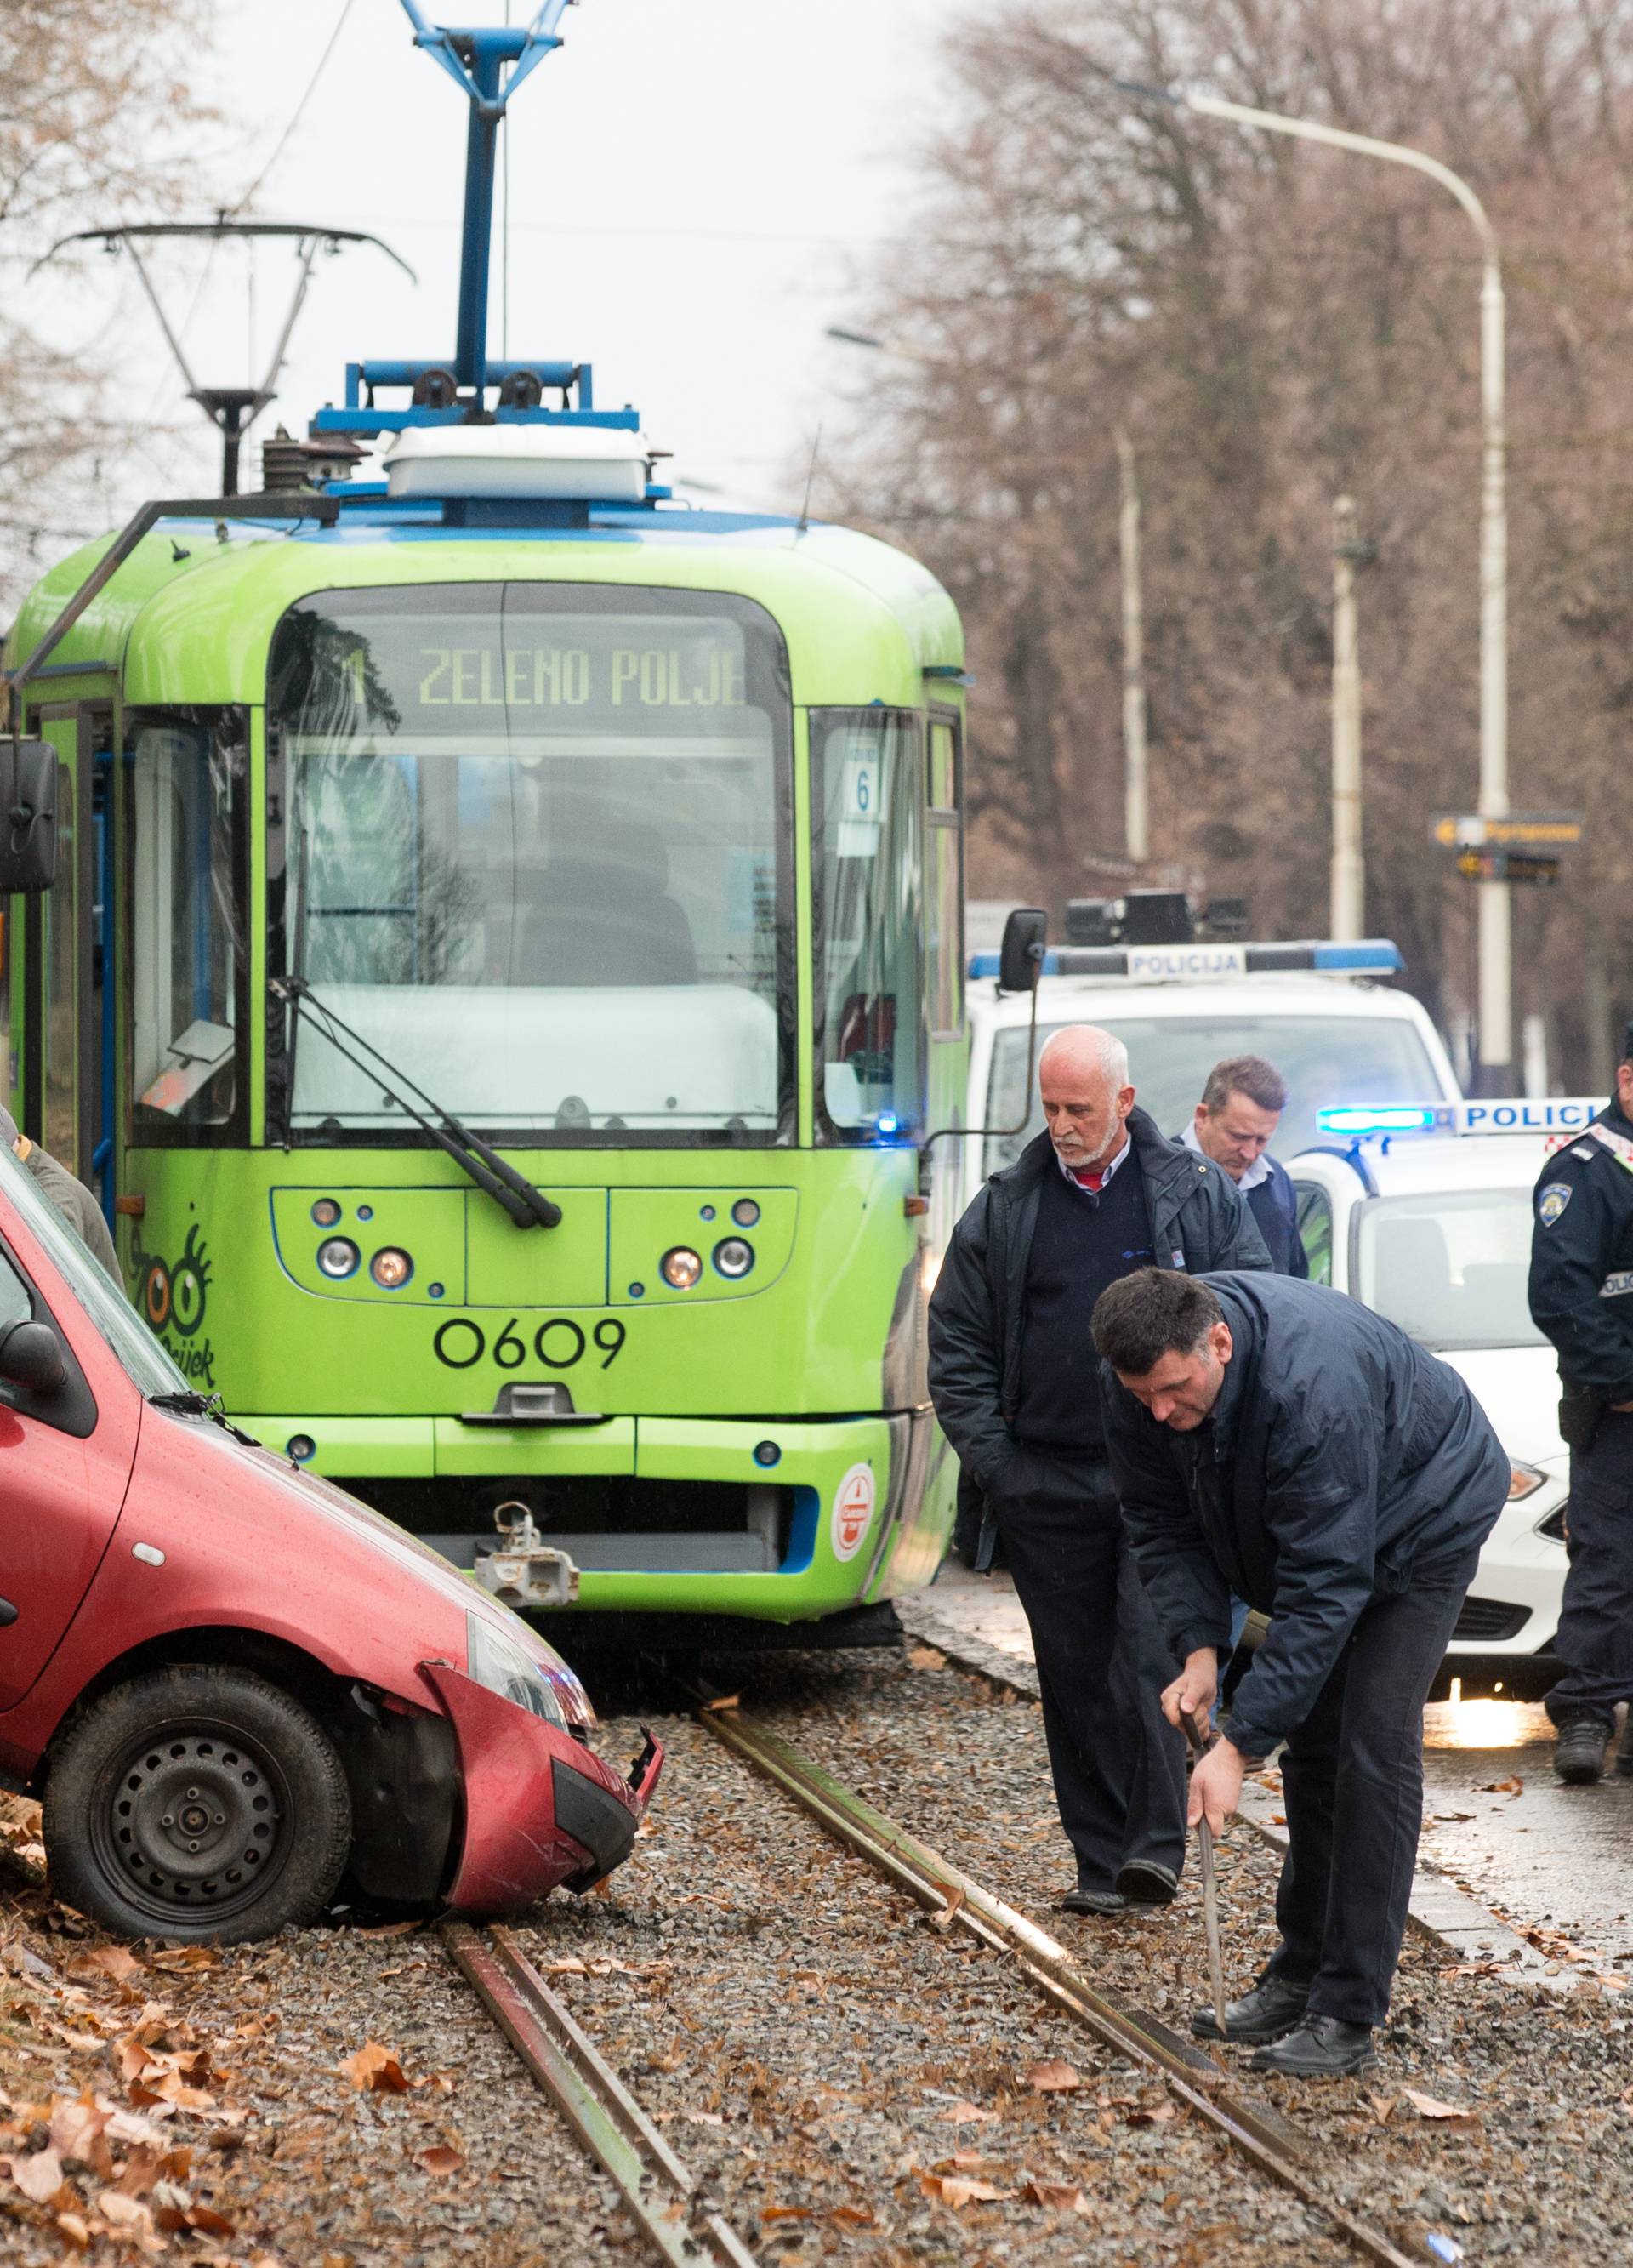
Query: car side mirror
point(30, 1357)
point(1020, 956)
point(28, 777)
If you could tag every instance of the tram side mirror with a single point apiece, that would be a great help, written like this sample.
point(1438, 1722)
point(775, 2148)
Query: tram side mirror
point(30, 1357)
point(28, 773)
point(1020, 956)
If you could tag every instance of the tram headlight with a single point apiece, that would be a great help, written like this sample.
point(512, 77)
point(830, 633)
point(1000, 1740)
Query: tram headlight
point(734, 1256)
point(326, 1212)
point(391, 1268)
point(338, 1256)
point(680, 1268)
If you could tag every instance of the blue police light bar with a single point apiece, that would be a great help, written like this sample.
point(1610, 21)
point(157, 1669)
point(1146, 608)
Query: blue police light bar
point(1384, 1118)
point(1205, 963)
point(1559, 1114)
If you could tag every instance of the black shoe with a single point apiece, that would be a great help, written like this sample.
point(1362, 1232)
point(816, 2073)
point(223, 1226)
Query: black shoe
point(1086, 1900)
point(1323, 2047)
point(1142, 1882)
point(1270, 2011)
point(1580, 1751)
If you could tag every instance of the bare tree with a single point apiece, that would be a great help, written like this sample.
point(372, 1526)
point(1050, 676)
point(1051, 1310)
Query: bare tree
point(95, 117)
point(1273, 327)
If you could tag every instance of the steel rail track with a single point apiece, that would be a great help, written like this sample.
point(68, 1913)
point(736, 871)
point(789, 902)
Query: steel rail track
point(562, 2061)
point(955, 1900)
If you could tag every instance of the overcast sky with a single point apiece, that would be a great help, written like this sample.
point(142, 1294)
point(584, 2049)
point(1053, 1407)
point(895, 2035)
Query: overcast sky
point(696, 191)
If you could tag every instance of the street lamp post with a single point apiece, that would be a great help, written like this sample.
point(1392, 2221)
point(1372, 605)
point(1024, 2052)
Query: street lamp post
point(1495, 1005)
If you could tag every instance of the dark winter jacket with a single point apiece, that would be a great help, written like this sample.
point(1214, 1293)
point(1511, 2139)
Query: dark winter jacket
point(1582, 1259)
point(1199, 1222)
point(1274, 1205)
point(1342, 1459)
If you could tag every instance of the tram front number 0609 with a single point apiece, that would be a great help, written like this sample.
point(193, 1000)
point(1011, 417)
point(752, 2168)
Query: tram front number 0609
point(558, 1343)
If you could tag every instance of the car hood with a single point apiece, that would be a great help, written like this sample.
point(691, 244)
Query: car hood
point(321, 1499)
point(1518, 1387)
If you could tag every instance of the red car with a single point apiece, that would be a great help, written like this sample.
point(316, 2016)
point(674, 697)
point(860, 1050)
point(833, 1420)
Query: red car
point(234, 1686)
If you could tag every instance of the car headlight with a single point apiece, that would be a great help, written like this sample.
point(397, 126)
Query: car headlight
point(1523, 1480)
point(497, 1662)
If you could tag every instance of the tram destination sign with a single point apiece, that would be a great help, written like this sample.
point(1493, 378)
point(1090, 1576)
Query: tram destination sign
point(1544, 832)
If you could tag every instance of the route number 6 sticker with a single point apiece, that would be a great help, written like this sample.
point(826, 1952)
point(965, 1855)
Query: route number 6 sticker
point(853, 1512)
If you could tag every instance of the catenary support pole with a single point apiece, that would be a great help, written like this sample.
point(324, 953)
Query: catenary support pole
point(1495, 980)
point(1348, 876)
point(1137, 811)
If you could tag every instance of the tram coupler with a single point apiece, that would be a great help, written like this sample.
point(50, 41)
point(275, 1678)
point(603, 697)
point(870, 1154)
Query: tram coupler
point(523, 1570)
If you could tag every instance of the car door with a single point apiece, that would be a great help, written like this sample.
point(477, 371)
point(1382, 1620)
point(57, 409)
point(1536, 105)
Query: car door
point(63, 1470)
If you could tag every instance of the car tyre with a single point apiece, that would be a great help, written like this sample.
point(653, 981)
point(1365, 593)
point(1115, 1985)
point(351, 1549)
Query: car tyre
point(198, 1804)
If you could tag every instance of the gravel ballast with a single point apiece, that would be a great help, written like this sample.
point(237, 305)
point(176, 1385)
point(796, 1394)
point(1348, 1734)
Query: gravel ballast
point(848, 2082)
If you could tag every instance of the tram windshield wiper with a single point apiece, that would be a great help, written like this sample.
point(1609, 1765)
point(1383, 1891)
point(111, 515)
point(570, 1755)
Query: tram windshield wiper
point(527, 1207)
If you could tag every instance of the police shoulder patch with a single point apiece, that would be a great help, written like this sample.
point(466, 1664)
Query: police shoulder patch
point(1552, 1200)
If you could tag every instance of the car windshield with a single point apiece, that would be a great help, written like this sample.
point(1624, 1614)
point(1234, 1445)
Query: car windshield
point(132, 1342)
point(1449, 1266)
point(1324, 1059)
point(538, 852)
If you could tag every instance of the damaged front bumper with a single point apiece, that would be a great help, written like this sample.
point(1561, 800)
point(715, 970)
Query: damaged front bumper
point(540, 1809)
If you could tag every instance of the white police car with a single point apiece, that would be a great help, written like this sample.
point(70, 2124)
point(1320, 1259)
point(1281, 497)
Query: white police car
point(1314, 1009)
point(1423, 1211)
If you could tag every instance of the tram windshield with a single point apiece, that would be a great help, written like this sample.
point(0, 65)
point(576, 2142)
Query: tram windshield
point(537, 851)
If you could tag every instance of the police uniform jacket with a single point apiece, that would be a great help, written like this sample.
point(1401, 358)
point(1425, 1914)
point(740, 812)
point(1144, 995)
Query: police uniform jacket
point(1198, 1221)
point(1581, 1283)
point(1342, 1460)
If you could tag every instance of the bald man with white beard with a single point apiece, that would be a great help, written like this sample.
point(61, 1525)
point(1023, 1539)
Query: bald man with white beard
point(1015, 1380)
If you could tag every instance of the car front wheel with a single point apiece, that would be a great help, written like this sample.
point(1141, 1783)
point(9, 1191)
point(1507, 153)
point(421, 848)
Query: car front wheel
point(198, 1804)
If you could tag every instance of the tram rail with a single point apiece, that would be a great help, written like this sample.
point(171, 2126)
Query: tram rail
point(955, 1900)
point(563, 2062)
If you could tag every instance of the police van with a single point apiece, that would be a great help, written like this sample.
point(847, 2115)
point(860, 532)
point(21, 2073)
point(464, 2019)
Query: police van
point(1319, 1011)
point(1423, 1213)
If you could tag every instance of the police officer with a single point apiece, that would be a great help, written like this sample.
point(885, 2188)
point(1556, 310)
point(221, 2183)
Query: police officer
point(1582, 1297)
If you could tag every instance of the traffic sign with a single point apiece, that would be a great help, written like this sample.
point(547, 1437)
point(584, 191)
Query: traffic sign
point(1507, 866)
point(1520, 830)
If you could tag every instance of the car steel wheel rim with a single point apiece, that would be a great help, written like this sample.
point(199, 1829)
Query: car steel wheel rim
point(195, 1823)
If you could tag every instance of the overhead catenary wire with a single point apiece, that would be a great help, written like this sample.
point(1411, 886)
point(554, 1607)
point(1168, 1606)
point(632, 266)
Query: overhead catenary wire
point(298, 112)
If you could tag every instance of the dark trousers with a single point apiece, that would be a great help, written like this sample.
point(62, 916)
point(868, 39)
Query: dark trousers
point(1353, 1777)
point(1595, 1638)
point(1119, 1766)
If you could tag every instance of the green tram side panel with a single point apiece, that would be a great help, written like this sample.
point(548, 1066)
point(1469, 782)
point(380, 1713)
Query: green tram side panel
point(816, 1347)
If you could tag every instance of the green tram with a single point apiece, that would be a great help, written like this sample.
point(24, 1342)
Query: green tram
point(505, 957)
point(637, 846)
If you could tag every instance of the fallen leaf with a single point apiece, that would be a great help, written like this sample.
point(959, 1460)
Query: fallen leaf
point(722, 1701)
point(77, 2231)
point(203, 2217)
point(925, 1657)
point(944, 1919)
point(703, 2117)
point(179, 1959)
point(375, 2070)
point(123, 2212)
point(79, 2131)
point(39, 2177)
point(1066, 2197)
point(1512, 1786)
point(958, 2189)
point(853, 2216)
point(390, 1929)
point(1154, 2116)
point(440, 2158)
point(113, 1961)
point(1452, 2115)
point(1051, 2078)
point(967, 2114)
point(1379, 2106)
point(788, 2212)
point(1452, 1818)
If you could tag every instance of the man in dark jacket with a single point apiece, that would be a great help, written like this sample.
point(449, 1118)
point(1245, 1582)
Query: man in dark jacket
point(1014, 1379)
point(1278, 1440)
point(1234, 1124)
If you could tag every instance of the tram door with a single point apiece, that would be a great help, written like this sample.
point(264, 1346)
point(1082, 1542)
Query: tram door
point(64, 1073)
